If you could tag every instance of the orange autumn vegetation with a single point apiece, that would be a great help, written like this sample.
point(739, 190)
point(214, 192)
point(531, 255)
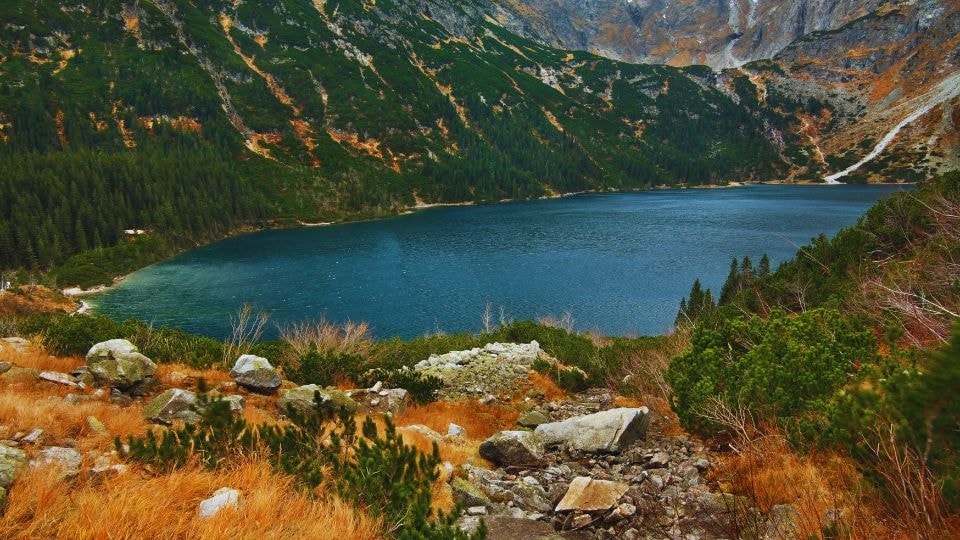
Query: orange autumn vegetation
point(768, 471)
point(479, 421)
point(30, 299)
point(141, 506)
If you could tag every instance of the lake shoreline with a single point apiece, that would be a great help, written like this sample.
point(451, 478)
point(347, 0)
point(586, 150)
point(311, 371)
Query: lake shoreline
point(420, 206)
point(442, 265)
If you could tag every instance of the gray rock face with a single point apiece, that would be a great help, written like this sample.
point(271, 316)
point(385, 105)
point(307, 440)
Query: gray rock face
point(481, 373)
point(67, 459)
point(171, 405)
point(468, 494)
point(11, 461)
point(256, 374)
point(606, 431)
point(718, 34)
point(532, 419)
point(512, 448)
point(59, 378)
point(237, 404)
point(222, 498)
point(301, 399)
point(119, 364)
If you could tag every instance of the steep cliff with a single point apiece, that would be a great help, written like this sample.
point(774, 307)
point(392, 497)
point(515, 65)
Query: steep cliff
point(718, 33)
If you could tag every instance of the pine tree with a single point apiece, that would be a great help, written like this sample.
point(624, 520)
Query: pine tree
point(732, 283)
point(764, 268)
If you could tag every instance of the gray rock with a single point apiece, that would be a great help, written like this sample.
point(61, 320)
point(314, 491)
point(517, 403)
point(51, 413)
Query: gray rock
point(34, 437)
point(659, 460)
point(532, 419)
point(67, 459)
point(513, 448)
point(453, 430)
point(782, 521)
point(118, 363)
point(301, 399)
point(588, 495)
point(237, 404)
point(173, 404)
point(5, 367)
point(59, 378)
point(477, 511)
point(517, 528)
point(11, 461)
point(423, 430)
point(256, 374)
point(378, 400)
point(468, 494)
point(607, 431)
point(222, 498)
point(21, 374)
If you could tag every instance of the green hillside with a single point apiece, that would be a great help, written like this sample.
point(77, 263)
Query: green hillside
point(193, 119)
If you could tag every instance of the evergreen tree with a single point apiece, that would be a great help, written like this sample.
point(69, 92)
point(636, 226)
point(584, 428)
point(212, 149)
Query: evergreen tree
point(732, 283)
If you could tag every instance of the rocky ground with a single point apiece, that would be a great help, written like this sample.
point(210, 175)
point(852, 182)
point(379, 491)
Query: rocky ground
point(589, 465)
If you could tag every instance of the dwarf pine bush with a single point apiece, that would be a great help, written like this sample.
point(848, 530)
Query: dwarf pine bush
point(376, 471)
point(785, 368)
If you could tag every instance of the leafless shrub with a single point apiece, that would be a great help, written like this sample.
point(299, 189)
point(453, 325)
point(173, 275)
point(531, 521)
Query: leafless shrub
point(645, 370)
point(327, 338)
point(487, 319)
point(246, 329)
point(565, 322)
point(736, 419)
point(916, 503)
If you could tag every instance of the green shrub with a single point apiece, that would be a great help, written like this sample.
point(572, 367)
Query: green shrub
point(74, 335)
point(323, 368)
point(569, 378)
point(915, 393)
point(65, 335)
point(374, 471)
point(422, 388)
point(786, 368)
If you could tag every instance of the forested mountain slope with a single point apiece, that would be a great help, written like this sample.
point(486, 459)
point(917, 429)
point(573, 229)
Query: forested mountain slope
point(193, 118)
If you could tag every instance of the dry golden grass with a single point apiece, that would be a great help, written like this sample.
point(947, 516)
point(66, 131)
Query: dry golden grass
point(23, 408)
point(166, 373)
point(30, 299)
point(480, 421)
point(135, 506)
point(543, 383)
point(34, 357)
point(770, 473)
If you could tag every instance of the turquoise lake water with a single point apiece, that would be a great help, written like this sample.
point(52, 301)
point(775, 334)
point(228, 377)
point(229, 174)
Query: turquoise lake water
point(618, 263)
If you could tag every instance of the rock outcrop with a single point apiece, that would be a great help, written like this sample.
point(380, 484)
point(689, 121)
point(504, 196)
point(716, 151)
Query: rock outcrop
point(606, 431)
point(11, 461)
point(509, 448)
point(255, 374)
point(119, 364)
point(172, 405)
point(491, 370)
point(589, 495)
point(67, 460)
point(301, 399)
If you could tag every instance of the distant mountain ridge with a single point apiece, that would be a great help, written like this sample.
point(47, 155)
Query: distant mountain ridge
point(719, 34)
